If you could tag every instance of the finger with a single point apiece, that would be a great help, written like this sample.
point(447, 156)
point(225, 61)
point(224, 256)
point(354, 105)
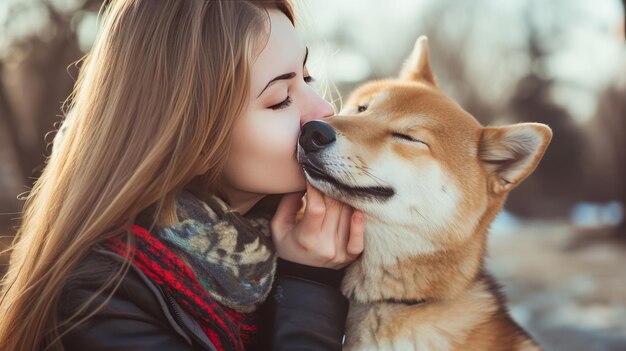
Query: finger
point(314, 212)
point(357, 230)
point(300, 212)
point(332, 215)
point(343, 227)
point(285, 215)
point(314, 199)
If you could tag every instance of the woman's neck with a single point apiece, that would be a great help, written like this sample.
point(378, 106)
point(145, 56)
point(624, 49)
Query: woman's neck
point(241, 201)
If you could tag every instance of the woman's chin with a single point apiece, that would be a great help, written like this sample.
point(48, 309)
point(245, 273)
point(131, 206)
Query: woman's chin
point(300, 186)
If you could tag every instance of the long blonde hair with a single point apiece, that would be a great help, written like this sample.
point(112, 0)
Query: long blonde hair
point(150, 114)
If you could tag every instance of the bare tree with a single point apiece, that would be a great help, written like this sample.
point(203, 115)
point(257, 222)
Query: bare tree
point(40, 82)
point(609, 132)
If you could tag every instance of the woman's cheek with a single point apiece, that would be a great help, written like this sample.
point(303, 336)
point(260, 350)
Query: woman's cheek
point(277, 149)
point(266, 155)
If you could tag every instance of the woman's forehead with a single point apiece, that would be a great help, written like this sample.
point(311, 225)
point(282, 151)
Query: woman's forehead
point(283, 52)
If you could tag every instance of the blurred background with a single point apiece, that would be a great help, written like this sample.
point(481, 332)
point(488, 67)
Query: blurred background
point(559, 247)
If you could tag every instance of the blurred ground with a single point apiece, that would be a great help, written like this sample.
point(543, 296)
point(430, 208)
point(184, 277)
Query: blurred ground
point(567, 287)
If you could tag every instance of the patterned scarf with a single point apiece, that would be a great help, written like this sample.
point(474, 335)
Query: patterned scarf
point(218, 265)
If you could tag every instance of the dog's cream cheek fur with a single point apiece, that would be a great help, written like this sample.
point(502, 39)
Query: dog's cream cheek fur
point(431, 199)
point(421, 207)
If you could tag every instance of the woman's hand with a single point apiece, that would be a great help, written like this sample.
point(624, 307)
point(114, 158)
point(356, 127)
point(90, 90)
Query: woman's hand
point(329, 234)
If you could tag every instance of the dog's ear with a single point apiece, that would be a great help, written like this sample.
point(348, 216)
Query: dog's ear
point(417, 65)
point(510, 153)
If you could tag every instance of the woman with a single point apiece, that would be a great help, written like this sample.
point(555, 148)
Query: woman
point(151, 226)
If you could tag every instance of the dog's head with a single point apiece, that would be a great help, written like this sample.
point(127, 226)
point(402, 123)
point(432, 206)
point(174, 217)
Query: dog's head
point(406, 154)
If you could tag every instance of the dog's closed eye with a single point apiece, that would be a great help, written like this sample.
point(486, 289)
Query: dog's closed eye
point(407, 138)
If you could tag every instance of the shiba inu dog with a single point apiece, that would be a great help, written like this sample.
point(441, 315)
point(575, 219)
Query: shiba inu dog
point(429, 179)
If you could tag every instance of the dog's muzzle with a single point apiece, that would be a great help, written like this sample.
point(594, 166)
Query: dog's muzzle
point(316, 136)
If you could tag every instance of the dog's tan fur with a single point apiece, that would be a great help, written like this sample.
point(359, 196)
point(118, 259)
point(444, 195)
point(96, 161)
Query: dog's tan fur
point(421, 283)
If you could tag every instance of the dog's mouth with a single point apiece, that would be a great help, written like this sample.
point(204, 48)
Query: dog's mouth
point(316, 172)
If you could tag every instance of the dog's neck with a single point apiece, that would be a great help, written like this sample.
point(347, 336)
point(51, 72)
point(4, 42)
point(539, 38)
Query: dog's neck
point(392, 269)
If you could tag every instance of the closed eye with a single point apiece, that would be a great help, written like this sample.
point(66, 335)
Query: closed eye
point(285, 103)
point(407, 138)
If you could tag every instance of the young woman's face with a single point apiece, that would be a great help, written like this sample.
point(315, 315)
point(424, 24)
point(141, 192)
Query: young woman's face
point(281, 100)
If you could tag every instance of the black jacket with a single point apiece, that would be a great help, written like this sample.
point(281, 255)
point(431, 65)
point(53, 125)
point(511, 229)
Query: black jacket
point(304, 311)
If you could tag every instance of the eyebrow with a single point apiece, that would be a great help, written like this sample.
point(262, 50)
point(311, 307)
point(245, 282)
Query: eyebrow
point(286, 76)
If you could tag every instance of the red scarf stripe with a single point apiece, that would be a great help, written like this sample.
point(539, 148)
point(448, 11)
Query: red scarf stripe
point(155, 273)
point(157, 279)
point(157, 248)
point(213, 336)
point(168, 275)
point(164, 277)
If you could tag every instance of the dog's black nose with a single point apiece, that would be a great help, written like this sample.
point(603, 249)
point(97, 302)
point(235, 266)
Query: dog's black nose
point(316, 135)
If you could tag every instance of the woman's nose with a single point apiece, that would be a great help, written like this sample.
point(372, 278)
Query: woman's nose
point(317, 108)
